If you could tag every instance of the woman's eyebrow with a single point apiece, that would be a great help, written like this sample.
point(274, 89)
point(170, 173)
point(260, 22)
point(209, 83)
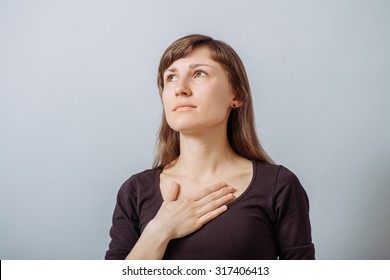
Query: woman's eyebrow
point(200, 64)
point(174, 70)
point(170, 70)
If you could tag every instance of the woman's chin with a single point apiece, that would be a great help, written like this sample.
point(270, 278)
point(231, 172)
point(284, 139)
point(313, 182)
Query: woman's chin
point(187, 128)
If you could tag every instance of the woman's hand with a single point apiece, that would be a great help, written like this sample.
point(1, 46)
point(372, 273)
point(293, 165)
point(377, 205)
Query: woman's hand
point(180, 217)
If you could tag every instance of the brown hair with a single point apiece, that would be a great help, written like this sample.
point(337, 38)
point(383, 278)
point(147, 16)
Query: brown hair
point(241, 124)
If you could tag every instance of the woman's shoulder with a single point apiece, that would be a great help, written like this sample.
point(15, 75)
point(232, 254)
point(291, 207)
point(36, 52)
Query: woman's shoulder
point(144, 179)
point(273, 168)
point(276, 174)
point(282, 184)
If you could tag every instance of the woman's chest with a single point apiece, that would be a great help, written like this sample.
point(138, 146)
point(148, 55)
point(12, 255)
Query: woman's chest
point(244, 231)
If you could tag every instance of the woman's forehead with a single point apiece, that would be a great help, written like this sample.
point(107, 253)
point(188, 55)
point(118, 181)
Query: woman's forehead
point(200, 56)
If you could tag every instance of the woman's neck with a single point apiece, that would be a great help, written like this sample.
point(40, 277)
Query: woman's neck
point(203, 155)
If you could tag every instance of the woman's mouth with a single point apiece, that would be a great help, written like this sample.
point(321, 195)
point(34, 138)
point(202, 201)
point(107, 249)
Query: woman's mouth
point(184, 107)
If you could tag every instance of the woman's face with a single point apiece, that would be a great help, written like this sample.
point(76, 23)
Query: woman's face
point(197, 94)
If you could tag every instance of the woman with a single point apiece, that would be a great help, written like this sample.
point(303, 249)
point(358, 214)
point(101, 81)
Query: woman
point(213, 193)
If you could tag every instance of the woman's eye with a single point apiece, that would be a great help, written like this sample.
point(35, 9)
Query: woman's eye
point(171, 78)
point(200, 74)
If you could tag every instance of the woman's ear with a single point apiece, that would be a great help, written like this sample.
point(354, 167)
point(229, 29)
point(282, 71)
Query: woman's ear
point(236, 102)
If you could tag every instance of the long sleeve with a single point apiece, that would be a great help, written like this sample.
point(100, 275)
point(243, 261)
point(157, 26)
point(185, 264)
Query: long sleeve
point(125, 224)
point(292, 225)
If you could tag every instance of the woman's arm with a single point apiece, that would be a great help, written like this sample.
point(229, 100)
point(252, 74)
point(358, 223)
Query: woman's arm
point(292, 228)
point(178, 218)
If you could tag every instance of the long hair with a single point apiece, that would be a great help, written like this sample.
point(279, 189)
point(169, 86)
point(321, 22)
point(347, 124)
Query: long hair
point(241, 123)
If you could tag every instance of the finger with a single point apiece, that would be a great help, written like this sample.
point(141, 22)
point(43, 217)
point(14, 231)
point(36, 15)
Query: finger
point(211, 189)
point(215, 195)
point(173, 192)
point(215, 204)
point(211, 215)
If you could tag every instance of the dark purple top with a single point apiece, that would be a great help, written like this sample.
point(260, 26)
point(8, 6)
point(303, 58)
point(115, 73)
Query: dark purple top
point(270, 220)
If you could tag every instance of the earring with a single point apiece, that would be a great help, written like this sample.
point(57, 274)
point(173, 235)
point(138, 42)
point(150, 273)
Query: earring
point(234, 105)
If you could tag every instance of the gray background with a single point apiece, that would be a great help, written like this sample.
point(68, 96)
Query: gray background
point(79, 112)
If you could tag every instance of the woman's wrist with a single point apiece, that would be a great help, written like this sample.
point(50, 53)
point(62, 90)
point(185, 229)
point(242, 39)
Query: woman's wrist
point(152, 243)
point(159, 232)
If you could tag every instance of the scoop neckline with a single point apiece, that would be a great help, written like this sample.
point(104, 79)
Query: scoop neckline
point(248, 188)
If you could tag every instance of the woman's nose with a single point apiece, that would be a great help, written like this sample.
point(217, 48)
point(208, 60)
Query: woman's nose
point(182, 89)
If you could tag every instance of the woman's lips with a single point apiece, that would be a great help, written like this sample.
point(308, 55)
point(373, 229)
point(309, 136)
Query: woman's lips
point(183, 108)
